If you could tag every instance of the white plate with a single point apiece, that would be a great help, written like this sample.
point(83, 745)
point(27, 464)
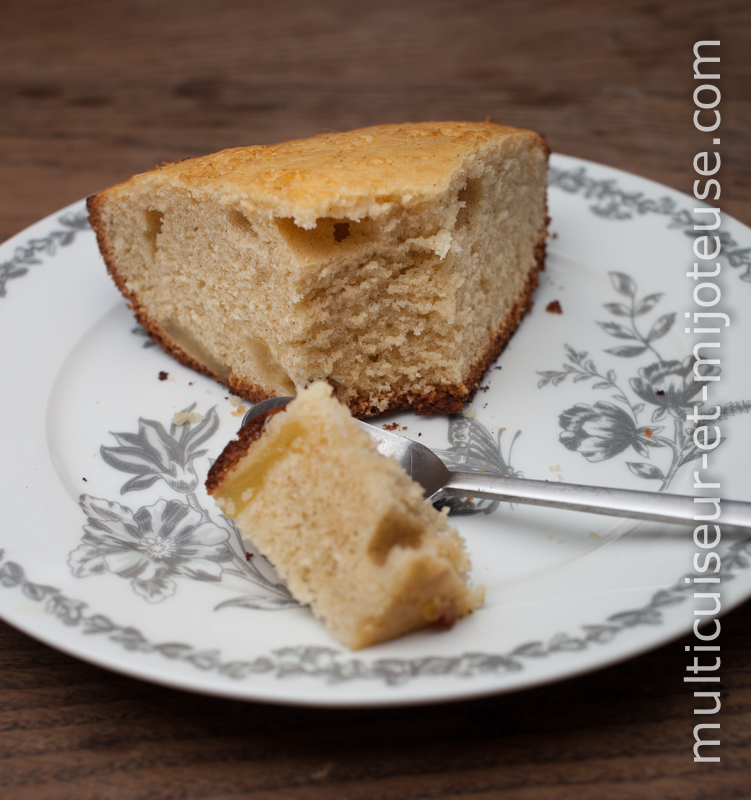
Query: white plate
point(112, 552)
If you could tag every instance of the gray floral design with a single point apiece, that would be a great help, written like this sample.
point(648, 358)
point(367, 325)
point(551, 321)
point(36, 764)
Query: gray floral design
point(668, 385)
point(154, 453)
point(334, 666)
point(612, 202)
point(30, 254)
point(155, 544)
point(602, 431)
point(151, 546)
point(605, 430)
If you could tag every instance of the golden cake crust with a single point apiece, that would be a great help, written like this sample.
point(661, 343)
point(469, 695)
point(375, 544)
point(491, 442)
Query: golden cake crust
point(339, 174)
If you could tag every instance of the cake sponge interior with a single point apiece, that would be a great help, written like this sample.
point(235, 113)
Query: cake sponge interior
point(344, 526)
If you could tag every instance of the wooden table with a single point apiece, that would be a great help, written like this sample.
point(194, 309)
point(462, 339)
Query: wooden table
point(95, 91)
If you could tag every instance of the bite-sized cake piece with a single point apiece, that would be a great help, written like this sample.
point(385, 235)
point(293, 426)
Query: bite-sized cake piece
point(393, 262)
point(345, 527)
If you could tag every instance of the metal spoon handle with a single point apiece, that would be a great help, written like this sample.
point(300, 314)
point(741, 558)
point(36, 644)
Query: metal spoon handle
point(598, 500)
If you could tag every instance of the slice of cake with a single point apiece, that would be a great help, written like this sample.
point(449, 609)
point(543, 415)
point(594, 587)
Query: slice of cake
point(345, 527)
point(393, 262)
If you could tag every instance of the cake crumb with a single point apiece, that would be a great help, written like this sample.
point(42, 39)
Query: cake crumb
point(239, 411)
point(235, 400)
point(594, 535)
point(560, 541)
point(555, 468)
point(392, 426)
point(469, 413)
point(554, 307)
point(85, 481)
point(163, 375)
point(550, 536)
point(181, 417)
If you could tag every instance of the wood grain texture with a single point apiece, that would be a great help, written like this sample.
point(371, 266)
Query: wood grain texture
point(68, 729)
point(92, 92)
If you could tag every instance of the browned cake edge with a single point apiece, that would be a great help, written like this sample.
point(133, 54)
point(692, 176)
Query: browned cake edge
point(444, 399)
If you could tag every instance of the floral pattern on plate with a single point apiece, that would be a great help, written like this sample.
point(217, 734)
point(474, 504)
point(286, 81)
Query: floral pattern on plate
point(604, 430)
point(154, 545)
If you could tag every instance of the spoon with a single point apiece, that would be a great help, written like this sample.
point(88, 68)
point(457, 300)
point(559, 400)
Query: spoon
point(425, 467)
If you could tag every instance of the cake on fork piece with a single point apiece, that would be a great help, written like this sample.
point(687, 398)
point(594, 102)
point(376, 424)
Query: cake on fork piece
point(346, 527)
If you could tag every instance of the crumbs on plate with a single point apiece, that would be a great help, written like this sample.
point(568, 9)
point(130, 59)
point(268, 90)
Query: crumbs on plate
point(181, 417)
